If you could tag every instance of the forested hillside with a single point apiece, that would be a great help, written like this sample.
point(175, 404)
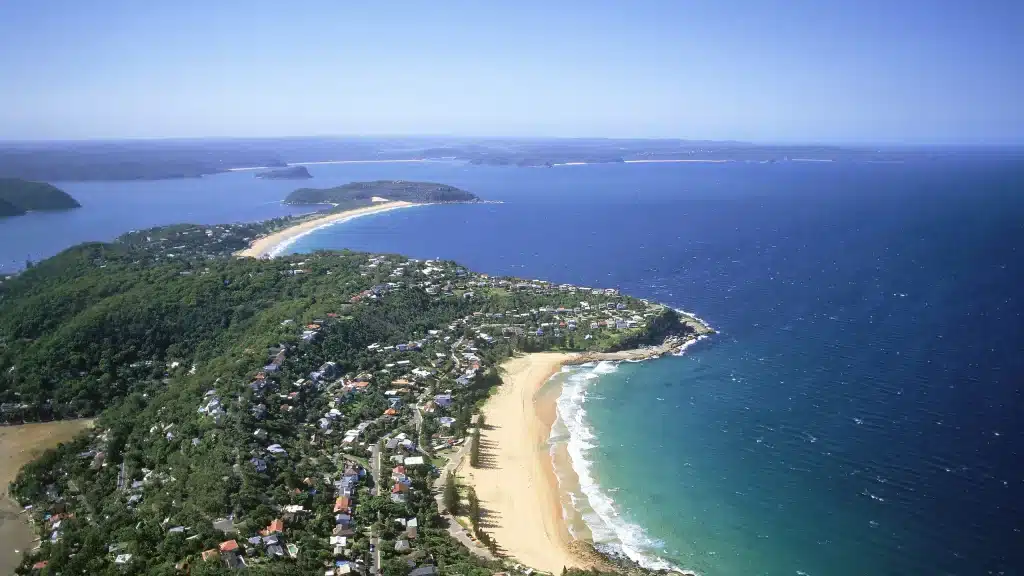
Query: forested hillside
point(390, 189)
point(248, 410)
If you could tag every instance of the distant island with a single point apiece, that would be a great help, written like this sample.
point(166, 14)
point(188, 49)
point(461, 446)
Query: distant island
point(364, 192)
point(289, 173)
point(18, 197)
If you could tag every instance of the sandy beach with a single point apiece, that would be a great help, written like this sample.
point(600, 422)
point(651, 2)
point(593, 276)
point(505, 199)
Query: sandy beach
point(264, 247)
point(516, 485)
point(19, 445)
point(518, 490)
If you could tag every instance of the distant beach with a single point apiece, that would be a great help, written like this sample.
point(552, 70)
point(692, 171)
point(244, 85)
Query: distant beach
point(275, 243)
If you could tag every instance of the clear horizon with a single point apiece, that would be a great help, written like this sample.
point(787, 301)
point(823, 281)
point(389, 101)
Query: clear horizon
point(866, 73)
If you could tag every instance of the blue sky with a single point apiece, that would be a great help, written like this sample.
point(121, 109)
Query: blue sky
point(894, 72)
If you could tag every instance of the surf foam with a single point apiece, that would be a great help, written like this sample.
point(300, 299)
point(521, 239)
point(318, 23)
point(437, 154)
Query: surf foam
point(611, 531)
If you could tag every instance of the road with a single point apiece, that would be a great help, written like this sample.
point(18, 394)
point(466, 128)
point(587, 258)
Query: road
point(376, 473)
point(454, 528)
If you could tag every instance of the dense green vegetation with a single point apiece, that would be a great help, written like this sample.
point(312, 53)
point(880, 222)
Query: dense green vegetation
point(20, 196)
point(232, 393)
point(8, 209)
point(390, 189)
point(288, 173)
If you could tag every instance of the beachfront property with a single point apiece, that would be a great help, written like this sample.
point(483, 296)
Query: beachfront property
point(419, 388)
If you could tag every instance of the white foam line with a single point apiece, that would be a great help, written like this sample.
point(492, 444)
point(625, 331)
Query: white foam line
point(607, 526)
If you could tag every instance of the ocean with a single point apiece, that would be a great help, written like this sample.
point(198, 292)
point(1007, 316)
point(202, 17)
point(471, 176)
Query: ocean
point(858, 410)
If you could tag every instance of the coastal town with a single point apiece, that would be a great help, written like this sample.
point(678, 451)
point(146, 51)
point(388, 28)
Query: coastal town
point(335, 456)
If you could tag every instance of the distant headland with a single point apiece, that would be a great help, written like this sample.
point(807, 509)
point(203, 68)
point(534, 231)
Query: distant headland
point(396, 190)
point(18, 197)
point(289, 173)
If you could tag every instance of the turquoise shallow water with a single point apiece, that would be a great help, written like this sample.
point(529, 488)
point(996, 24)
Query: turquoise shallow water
point(860, 410)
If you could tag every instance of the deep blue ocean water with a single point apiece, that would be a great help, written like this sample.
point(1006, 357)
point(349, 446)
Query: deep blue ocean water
point(859, 411)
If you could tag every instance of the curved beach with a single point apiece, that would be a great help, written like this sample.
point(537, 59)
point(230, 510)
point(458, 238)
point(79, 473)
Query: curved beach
point(268, 245)
point(516, 486)
point(519, 492)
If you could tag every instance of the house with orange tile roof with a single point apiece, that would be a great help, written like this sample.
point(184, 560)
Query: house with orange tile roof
point(276, 527)
point(229, 546)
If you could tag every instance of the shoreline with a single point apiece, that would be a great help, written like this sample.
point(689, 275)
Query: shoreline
point(273, 244)
point(518, 484)
point(397, 161)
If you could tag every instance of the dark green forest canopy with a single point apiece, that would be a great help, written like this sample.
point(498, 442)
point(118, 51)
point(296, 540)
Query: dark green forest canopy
point(390, 189)
point(20, 196)
point(287, 173)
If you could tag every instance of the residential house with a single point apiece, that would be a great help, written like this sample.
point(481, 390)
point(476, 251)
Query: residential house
point(229, 546)
point(211, 554)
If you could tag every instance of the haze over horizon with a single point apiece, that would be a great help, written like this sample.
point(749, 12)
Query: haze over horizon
point(903, 73)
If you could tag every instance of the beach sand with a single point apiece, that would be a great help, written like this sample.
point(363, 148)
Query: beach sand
point(521, 500)
point(516, 482)
point(18, 446)
point(264, 246)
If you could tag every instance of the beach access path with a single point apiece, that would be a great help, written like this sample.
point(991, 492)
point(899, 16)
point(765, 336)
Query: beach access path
point(264, 247)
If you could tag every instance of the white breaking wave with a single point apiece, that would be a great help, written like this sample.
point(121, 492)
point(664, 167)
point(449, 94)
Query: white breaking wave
point(682, 349)
point(608, 527)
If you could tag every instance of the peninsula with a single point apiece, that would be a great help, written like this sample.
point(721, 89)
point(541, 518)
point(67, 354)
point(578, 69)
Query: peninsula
point(273, 242)
point(244, 405)
point(19, 197)
point(350, 201)
point(289, 173)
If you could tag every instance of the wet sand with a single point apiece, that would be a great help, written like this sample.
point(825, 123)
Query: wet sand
point(516, 482)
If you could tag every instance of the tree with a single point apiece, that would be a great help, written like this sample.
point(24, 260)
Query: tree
point(474, 509)
point(451, 494)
